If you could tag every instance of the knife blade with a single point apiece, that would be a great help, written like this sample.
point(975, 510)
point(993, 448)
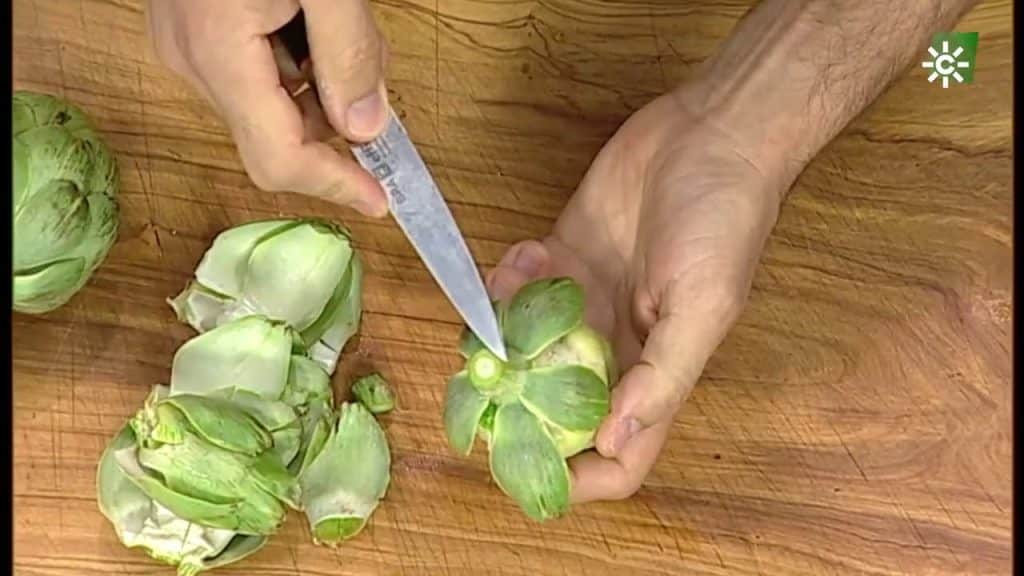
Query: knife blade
point(420, 210)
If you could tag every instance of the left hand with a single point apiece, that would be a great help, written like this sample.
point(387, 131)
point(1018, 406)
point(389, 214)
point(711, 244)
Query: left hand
point(664, 233)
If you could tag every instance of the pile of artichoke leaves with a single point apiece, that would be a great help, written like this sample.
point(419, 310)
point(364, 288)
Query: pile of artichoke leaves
point(205, 472)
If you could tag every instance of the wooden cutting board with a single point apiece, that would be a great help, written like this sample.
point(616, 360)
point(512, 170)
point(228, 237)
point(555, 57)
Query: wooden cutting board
point(857, 420)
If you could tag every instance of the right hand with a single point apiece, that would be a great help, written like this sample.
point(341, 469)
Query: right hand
point(223, 47)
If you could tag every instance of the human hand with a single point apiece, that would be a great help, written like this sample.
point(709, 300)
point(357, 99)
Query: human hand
point(664, 233)
point(224, 49)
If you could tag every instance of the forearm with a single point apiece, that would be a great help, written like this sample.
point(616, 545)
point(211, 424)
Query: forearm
point(794, 73)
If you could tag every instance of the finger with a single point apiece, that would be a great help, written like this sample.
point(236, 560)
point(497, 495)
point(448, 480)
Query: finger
point(270, 132)
point(314, 121)
point(522, 262)
point(597, 478)
point(673, 357)
point(348, 62)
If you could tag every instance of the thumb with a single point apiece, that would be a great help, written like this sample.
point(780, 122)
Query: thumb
point(348, 55)
point(673, 357)
point(522, 263)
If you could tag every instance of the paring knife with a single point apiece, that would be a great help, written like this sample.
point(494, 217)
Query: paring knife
point(420, 210)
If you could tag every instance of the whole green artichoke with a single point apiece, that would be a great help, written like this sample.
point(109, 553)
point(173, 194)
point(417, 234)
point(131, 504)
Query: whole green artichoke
point(542, 406)
point(65, 213)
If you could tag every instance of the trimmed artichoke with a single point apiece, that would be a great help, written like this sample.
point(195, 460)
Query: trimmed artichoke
point(374, 392)
point(542, 406)
point(65, 187)
point(303, 272)
point(206, 470)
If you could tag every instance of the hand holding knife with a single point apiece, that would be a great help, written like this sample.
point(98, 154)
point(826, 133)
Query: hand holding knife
point(417, 205)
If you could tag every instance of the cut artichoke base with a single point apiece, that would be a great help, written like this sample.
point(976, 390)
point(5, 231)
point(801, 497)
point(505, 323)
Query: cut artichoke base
point(540, 407)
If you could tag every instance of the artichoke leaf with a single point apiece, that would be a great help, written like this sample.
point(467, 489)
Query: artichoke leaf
point(570, 396)
point(463, 408)
point(200, 307)
point(251, 353)
point(47, 287)
point(50, 224)
point(345, 481)
point(374, 392)
point(526, 464)
point(310, 260)
point(213, 514)
point(540, 313)
point(307, 382)
point(220, 423)
point(224, 265)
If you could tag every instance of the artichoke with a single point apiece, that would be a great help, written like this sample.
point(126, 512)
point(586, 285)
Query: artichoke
point(65, 187)
point(542, 406)
point(303, 272)
point(206, 470)
point(374, 392)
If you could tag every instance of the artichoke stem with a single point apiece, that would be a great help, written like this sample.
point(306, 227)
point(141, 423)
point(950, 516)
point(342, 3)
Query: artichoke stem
point(485, 370)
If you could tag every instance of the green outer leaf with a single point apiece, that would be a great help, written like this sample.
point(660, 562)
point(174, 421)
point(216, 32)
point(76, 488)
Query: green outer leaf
point(222, 423)
point(374, 392)
point(526, 465)
point(310, 260)
point(571, 397)
point(215, 515)
point(224, 265)
point(50, 223)
point(345, 320)
point(463, 408)
point(316, 428)
point(346, 480)
point(141, 522)
point(48, 288)
point(307, 382)
point(541, 312)
point(199, 307)
point(249, 486)
point(251, 354)
point(239, 547)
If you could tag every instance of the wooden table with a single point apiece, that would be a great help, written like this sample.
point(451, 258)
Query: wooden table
point(857, 420)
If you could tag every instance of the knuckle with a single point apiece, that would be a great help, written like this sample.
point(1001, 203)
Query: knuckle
point(360, 59)
point(274, 176)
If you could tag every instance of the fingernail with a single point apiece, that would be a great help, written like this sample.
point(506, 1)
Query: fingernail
point(529, 259)
point(363, 118)
point(623, 432)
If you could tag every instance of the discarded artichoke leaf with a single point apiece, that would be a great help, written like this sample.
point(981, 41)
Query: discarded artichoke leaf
point(571, 397)
point(541, 312)
point(307, 382)
point(200, 307)
point(346, 479)
point(316, 428)
point(463, 408)
point(241, 275)
point(526, 464)
point(223, 267)
point(251, 353)
point(310, 260)
point(140, 522)
point(219, 422)
point(374, 392)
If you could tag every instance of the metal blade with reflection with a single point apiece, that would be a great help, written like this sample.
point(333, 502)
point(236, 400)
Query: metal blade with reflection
point(421, 212)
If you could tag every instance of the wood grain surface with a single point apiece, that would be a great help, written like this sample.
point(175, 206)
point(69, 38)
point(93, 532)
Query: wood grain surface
point(856, 421)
